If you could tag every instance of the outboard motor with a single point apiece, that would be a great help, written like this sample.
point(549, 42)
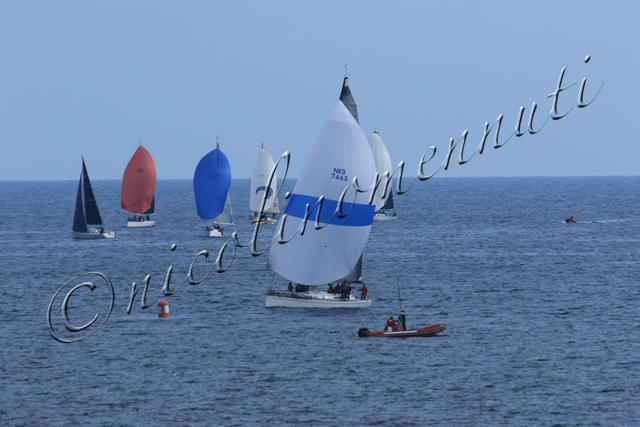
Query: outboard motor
point(363, 332)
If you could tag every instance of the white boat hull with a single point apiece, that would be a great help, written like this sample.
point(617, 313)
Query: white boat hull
point(93, 234)
point(320, 300)
point(140, 224)
point(384, 217)
point(213, 232)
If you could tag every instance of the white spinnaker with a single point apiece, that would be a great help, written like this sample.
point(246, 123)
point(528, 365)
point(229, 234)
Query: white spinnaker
point(261, 170)
point(339, 154)
point(383, 164)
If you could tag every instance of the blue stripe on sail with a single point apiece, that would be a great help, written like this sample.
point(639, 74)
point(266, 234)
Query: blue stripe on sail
point(360, 215)
point(264, 188)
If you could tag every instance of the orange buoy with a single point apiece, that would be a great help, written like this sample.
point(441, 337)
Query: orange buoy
point(163, 309)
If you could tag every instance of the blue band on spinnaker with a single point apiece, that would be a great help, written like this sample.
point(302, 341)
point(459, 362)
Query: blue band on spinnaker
point(359, 216)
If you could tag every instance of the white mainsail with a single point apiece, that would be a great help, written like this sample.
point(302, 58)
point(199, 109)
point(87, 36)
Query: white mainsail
point(383, 164)
point(339, 154)
point(261, 170)
point(226, 217)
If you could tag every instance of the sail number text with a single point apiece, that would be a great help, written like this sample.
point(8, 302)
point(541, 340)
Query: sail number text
point(339, 174)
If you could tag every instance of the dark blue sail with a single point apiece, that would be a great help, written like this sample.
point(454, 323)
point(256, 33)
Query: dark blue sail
point(389, 204)
point(347, 99)
point(79, 223)
point(211, 183)
point(152, 209)
point(92, 215)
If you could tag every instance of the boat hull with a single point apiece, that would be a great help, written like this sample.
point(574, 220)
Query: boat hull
point(384, 216)
point(264, 221)
point(325, 300)
point(93, 234)
point(213, 232)
point(140, 224)
point(422, 332)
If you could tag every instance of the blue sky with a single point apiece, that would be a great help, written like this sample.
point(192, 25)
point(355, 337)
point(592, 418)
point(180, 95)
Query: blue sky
point(97, 78)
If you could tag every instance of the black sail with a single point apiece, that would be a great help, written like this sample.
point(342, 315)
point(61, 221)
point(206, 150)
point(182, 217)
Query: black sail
point(389, 204)
point(79, 224)
point(152, 209)
point(348, 101)
point(356, 274)
point(91, 207)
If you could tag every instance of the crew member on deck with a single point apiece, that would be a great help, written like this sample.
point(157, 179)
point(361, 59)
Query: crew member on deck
point(391, 324)
point(403, 320)
point(331, 289)
point(290, 287)
point(344, 290)
point(363, 292)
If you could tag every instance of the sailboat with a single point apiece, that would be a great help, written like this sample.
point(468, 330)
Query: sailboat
point(333, 253)
point(87, 212)
point(211, 183)
point(259, 186)
point(138, 187)
point(384, 202)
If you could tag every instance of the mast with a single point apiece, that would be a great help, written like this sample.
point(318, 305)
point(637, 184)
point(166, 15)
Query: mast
point(347, 99)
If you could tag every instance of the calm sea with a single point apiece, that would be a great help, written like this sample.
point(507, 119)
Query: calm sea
point(543, 317)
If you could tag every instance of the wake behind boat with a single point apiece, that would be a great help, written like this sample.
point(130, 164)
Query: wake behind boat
point(87, 212)
point(571, 220)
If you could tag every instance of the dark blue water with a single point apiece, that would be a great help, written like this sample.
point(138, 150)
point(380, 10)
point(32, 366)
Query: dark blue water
point(543, 317)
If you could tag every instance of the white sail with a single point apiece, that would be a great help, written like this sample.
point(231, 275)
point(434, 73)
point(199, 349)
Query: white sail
point(383, 164)
point(339, 154)
point(261, 170)
point(226, 217)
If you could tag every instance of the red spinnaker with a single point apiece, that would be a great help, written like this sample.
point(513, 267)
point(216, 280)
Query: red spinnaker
point(138, 182)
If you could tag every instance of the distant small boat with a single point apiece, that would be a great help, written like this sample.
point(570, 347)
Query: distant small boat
point(87, 212)
point(422, 332)
point(259, 187)
point(211, 183)
point(138, 187)
point(571, 220)
point(384, 201)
